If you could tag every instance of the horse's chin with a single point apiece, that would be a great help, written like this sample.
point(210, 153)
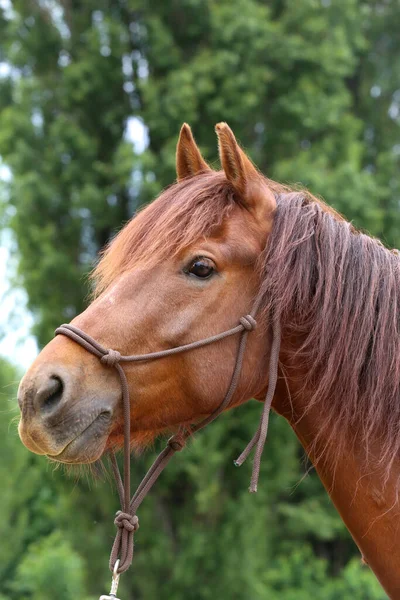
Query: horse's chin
point(88, 446)
point(95, 442)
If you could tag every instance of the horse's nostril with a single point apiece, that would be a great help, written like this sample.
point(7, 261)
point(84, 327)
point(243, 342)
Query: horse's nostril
point(49, 395)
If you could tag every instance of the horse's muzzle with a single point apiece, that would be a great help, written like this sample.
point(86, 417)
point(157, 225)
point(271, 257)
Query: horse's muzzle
point(55, 423)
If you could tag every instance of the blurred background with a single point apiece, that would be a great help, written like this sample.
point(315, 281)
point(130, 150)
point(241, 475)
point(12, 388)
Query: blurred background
point(92, 96)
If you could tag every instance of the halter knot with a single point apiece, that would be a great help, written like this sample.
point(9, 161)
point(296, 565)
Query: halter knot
point(126, 521)
point(111, 358)
point(177, 442)
point(248, 322)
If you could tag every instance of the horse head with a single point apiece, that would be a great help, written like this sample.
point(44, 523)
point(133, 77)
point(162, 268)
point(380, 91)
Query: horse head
point(185, 268)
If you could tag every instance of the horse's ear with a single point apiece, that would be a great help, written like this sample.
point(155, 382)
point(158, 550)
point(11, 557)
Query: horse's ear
point(189, 161)
point(243, 175)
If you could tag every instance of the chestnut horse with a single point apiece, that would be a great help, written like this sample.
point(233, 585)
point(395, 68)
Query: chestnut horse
point(187, 267)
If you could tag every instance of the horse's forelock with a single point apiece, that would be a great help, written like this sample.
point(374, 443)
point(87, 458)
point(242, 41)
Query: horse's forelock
point(182, 214)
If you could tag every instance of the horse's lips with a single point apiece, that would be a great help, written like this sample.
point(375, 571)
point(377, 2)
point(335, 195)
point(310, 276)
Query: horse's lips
point(88, 445)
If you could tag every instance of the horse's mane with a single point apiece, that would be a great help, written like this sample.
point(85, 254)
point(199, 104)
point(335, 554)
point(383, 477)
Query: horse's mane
point(337, 288)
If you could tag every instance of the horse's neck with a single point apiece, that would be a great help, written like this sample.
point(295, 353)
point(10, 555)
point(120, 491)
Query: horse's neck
point(369, 510)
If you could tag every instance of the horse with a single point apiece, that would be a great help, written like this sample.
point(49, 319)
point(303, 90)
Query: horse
point(187, 267)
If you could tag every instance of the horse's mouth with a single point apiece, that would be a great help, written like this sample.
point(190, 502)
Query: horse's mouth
point(89, 444)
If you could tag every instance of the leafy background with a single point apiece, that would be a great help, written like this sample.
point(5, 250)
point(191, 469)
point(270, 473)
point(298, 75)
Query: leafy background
point(312, 90)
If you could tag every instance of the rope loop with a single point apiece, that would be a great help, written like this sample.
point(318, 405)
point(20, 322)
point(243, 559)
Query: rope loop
point(126, 521)
point(111, 358)
point(177, 442)
point(248, 322)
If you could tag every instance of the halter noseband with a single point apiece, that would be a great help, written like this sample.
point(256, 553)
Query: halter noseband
point(126, 520)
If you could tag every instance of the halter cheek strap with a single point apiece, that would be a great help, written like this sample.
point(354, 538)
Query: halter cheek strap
point(126, 520)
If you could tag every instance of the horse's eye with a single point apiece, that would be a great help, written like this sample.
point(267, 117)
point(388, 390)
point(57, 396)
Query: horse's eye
point(201, 267)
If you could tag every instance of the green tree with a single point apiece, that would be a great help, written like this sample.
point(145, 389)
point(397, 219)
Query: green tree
point(50, 569)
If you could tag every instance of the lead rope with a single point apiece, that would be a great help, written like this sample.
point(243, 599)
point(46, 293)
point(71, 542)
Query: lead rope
point(126, 520)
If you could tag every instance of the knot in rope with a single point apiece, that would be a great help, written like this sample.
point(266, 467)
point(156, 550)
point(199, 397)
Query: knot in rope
point(248, 322)
point(126, 521)
point(111, 358)
point(177, 442)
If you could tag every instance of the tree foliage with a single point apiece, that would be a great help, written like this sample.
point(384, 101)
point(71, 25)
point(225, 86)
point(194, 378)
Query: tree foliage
point(312, 91)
